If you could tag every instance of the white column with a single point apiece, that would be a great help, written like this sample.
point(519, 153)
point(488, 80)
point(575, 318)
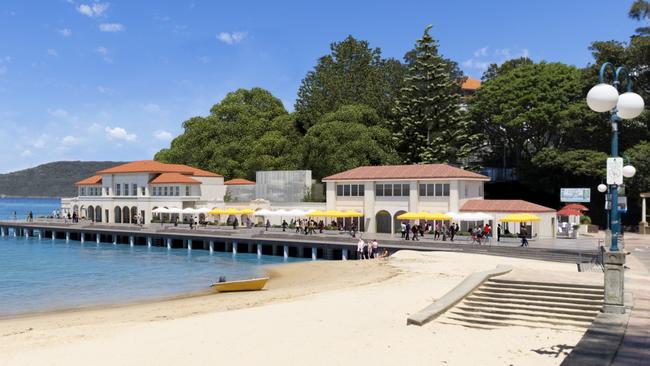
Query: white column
point(189, 244)
point(98, 237)
point(26, 233)
point(114, 239)
point(2, 231)
point(169, 243)
point(234, 247)
point(344, 254)
point(67, 236)
point(131, 240)
point(285, 251)
point(15, 232)
point(149, 241)
point(259, 250)
point(314, 252)
point(211, 245)
point(53, 235)
point(82, 237)
point(40, 234)
point(643, 212)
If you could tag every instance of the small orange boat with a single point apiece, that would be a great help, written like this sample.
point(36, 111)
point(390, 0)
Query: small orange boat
point(254, 284)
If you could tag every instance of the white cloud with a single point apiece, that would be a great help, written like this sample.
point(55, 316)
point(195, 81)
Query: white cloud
point(163, 135)
point(151, 108)
point(52, 52)
point(105, 90)
point(66, 32)
point(92, 10)
point(231, 38)
point(484, 57)
point(26, 153)
point(103, 51)
point(94, 128)
point(40, 141)
point(481, 52)
point(69, 140)
point(58, 113)
point(118, 133)
point(111, 27)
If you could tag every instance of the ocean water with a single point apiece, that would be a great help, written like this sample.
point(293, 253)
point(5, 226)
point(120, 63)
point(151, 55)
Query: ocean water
point(43, 275)
point(21, 206)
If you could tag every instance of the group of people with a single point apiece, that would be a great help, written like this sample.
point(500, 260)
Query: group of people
point(305, 226)
point(413, 232)
point(369, 249)
point(479, 233)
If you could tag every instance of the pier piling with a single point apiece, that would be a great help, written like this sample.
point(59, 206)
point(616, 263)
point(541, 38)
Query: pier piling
point(189, 244)
point(344, 254)
point(131, 240)
point(211, 246)
point(259, 250)
point(169, 243)
point(148, 242)
point(234, 248)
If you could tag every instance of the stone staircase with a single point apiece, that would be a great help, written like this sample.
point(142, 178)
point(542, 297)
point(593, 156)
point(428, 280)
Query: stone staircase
point(500, 303)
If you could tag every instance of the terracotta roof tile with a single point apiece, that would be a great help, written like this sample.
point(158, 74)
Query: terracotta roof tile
point(168, 178)
point(90, 181)
point(238, 182)
point(470, 84)
point(422, 171)
point(503, 206)
point(151, 166)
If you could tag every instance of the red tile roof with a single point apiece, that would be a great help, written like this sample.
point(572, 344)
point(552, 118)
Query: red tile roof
point(423, 171)
point(470, 84)
point(168, 178)
point(238, 182)
point(504, 206)
point(91, 181)
point(151, 166)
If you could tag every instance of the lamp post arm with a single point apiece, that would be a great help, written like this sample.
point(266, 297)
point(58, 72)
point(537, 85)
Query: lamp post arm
point(603, 69)
point(626, 73)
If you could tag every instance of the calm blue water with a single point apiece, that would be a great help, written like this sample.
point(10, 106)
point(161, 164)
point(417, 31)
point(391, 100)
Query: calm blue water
point(41, 275)
point(21, 206)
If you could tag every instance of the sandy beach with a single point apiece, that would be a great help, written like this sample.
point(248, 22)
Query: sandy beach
point(321, 313)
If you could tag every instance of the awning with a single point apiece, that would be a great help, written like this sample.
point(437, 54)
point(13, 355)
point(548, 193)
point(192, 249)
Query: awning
point(576, 206)
point(520, 217)
point(569, 212)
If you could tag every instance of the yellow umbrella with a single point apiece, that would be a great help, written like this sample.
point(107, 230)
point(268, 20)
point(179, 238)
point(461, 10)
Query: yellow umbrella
point(246, 211)
point(216, 211)
point(414, 216)
point(520, 217)
point(439, 216)
point(316, 213)
point(350, 213)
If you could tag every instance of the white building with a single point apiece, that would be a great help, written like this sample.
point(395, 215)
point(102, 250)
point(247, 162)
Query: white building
point(122, 193)
point(382, 193)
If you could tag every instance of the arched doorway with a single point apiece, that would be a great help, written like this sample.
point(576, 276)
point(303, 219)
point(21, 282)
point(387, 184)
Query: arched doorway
point(98, 214)
point(126, 215)
point(75, 209)
point(383, 222)
point(134, 215)
point(397, 224)
point(91, 213)
point(118, 215)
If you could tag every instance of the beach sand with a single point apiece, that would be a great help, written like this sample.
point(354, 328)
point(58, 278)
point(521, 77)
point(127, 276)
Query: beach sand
point(317, 313)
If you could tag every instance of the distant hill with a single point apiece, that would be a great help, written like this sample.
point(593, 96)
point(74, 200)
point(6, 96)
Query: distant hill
point(54, 179)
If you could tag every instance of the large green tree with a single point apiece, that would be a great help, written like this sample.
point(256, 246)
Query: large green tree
point(428, 125)
point(346, 139)
point(353, 73)
point(248, 130)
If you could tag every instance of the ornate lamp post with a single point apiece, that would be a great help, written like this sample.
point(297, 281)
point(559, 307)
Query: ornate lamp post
point(604, 97)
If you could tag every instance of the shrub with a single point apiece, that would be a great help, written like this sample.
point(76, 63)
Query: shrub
point(585, 220)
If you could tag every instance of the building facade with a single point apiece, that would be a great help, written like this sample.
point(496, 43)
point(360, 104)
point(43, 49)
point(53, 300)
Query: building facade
point(129, 191)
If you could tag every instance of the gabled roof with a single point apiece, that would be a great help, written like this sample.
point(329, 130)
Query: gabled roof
point(91, 181)
point(470, 84)
point(422, 171)
point(151, 166)
point(168, 178)
point(238, 182)
point(504, 206)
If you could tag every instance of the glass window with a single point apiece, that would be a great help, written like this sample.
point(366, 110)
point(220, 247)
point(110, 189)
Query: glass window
point(142, 190)
point(397, 190)
point(134, 189)
point(423, 190)
point(117, 189)
point(438, 190)
point(430, 189)
point(165, 190)
point(339, 189)
point(480, 190)
point(379, 190)
point(187, 190)
point(445, 190)
point(388, 190)
point(362, 189)
point(178, 190)
point(346, 190)
point(355, 190)
point(406, 190)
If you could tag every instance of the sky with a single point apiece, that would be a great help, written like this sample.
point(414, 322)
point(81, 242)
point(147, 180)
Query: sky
point(114, 80)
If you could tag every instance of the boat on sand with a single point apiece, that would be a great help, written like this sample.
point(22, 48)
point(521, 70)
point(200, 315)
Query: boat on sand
point(254, 284)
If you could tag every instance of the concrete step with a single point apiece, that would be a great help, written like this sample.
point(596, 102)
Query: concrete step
point(454, 319)
point(516, 307)
point(521, 318)
point(525, 286)
point(541, 298)
point(589, 305)
point(515, 282)
point(584, 317)
point(540, 292)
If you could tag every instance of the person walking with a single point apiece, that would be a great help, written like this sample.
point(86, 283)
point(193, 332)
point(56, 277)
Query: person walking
point(369, 249)
point(414, 230)
point(524, 236)
point(375, 249)
point(487, 231)
point(407, 229)
point(235, 223)
point(360, 245)
point(498, 232)
point(436, 232)
point(268, 224)
point(403, 226)
point(284, 225)
point(452, 232)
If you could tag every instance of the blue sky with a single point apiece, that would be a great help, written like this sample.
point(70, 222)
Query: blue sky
point(114, 80)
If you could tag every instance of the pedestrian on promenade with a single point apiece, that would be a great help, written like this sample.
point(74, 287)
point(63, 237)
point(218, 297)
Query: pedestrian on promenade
point(498, 232)
point(235, 223)
point(436, 232)
point(284, 225)
point(487, 231)
point(403, 225)
point(452, 232)
point(360, 245)
point(375, 248)
point(414, 230)
point(407, 230)
point(268, 224)
point(369, 249)
point(523, 233)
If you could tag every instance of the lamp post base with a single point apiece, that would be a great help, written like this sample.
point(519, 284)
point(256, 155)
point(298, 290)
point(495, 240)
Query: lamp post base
point(614, 279)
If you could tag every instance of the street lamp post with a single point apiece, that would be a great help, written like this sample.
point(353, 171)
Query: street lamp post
point(604, 97)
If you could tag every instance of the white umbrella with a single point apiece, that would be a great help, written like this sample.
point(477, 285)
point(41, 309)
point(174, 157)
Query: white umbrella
point(264, 212)
point(174, 210)
point(203, 210)
point(189, 211)
point(281, 212)
point(160, 210)
point(296, 212)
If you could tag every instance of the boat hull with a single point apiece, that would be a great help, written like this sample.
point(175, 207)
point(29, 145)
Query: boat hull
point(255, 284)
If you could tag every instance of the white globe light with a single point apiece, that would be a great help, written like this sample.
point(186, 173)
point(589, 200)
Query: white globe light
point(630, 105)
point(602, 188)
point(629, 171)
point(602, 97)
